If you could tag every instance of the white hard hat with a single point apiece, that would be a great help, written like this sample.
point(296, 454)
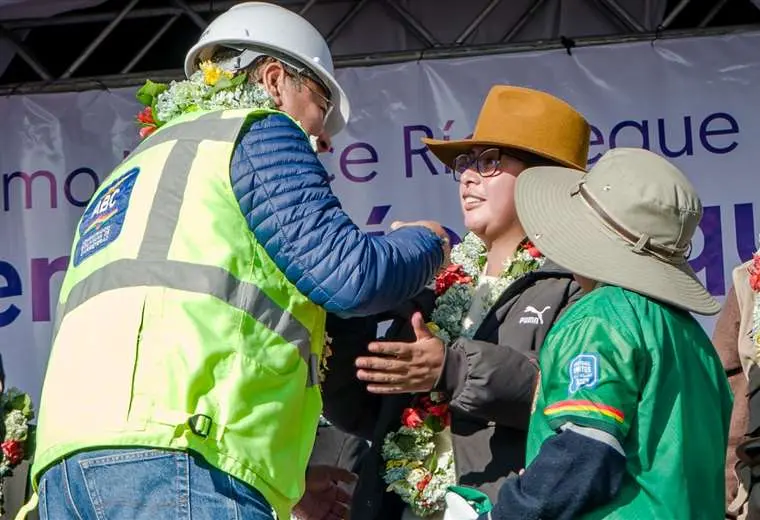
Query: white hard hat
point(261, 28)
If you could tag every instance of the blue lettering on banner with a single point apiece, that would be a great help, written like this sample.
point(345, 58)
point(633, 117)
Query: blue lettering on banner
point(584, 372)
point(104, 217)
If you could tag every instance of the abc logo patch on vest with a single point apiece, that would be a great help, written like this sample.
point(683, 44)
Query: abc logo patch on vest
point(102, 222)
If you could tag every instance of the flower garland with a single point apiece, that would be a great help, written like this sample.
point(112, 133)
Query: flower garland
point(455, 287)
point(754, 283)
point(417, 467)
point(15, 413)
point(209, 88)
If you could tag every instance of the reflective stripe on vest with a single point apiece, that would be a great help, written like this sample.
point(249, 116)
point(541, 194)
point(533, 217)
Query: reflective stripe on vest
point(152, 268)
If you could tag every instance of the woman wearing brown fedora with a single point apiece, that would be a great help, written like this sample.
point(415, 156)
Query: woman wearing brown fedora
point(445, 398)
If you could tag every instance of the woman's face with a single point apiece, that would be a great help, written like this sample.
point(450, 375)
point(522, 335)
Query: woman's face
point(488, 197)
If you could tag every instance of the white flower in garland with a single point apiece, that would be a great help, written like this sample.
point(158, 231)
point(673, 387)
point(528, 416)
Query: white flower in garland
point(470, 253)
point(195, 94)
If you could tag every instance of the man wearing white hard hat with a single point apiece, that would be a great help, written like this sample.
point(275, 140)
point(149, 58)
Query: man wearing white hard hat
point(187, 351)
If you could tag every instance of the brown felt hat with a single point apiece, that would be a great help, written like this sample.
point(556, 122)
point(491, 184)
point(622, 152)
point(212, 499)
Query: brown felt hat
point(527, 120)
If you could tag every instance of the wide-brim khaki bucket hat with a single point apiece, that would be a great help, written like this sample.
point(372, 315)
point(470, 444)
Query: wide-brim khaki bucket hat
point(628, 222)
point(527, 120)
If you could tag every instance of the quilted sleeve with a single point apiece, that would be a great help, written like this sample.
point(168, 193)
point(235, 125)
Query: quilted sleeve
point(284, 192)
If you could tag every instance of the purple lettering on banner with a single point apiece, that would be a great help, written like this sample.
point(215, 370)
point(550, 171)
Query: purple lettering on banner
point(688, 147)
point(27, 180)
point(597, 138)
point(745, 231)
point(641, 126)
point(711, 257)
point(422, 151)
point(376, 216)
point(42, 272)
point(10, 286)
point(70, 178)
point(345, 161)
point(705, 132)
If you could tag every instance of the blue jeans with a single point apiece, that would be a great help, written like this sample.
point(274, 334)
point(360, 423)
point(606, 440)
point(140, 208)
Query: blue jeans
point(145, 484)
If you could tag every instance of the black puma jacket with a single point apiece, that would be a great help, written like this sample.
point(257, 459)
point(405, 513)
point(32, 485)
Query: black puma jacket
point(490, 379)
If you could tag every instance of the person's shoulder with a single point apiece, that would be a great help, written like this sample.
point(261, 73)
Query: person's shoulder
point(638, 315)
point(552, 278)
point(271, 119)
point(605, 307)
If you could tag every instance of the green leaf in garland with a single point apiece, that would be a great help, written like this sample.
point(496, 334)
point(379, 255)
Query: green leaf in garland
point(148, 93)
point(432, 463)
point(154, 112)
point(404, 442)
point(225, 83)
point(239, 80)
point(17, 400)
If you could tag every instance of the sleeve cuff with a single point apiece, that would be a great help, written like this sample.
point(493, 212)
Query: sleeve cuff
point(454, 373)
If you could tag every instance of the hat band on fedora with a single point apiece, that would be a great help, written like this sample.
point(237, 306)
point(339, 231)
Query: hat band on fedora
point(642, 243)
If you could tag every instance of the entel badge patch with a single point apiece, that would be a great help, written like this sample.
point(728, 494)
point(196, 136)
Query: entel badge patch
point(584, 372)
point(102, 222)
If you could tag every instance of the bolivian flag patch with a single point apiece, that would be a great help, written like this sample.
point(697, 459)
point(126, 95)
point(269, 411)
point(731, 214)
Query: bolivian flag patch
point(572, 406)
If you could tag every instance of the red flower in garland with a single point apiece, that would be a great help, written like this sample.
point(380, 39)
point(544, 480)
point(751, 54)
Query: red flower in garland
point(532, 250)
point(453, 274)
point(13, 451)
point(411, 418)
point(438, 410)
point(754, 273)
point(145, 118)
point(422, 484)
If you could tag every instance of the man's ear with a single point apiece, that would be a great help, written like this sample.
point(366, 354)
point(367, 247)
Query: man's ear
point(273, 79)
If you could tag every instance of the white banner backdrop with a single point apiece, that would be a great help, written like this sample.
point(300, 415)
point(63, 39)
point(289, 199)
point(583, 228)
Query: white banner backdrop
point(692, 100)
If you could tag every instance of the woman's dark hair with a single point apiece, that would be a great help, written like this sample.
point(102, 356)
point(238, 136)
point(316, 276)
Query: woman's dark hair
point(531, 160)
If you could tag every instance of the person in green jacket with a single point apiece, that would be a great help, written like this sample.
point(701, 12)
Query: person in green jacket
point(632, 410)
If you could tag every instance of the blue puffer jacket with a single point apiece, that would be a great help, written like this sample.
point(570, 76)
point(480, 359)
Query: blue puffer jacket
point(284, 192)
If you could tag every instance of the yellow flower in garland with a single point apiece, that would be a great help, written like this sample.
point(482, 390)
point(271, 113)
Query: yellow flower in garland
point(212, 73)
point(433, 327)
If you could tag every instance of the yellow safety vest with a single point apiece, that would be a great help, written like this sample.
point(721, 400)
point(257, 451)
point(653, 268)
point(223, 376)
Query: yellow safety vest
point(175, 329)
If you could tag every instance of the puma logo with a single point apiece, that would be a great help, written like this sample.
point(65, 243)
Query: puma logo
point(537, 318)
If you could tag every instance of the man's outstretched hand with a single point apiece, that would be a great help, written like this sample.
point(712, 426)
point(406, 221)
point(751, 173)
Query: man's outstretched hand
point(324, 499)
